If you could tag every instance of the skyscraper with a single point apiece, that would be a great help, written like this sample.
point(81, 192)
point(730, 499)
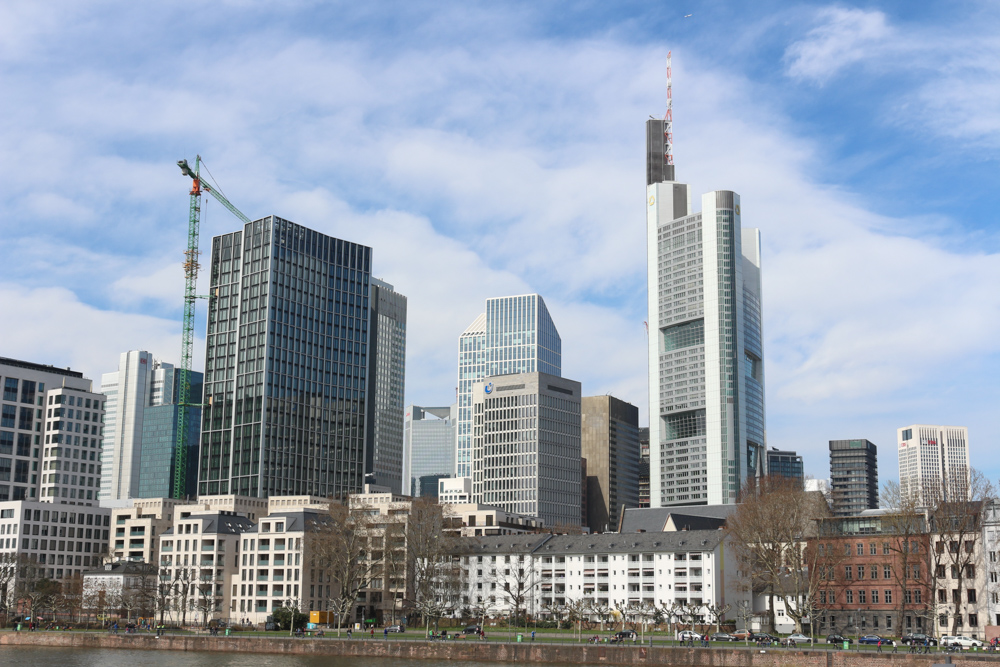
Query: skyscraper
point(140, 436)
point(428, 446)
point(514, 335)
point(933, 462)
point(706, 370)
point(610, 445)
point(286, 363)
point(853, 476)
point(387, 373)
point(526, 446)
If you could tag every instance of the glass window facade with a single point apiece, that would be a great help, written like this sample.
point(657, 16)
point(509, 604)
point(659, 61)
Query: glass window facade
point(286, 368)
point(514, 335)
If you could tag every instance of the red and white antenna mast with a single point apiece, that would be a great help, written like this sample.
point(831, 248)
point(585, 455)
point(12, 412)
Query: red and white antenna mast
point(668, 118)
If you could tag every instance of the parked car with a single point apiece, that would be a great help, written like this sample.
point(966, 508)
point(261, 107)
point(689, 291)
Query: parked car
point(960, 641)
point(871, 639)
point(396, 628)
point(688, 635)
point(838, 639)
point(763, 637)
point(722, 637)
point(799, 638)
point(623, 636)
point(742, 635)
point(472, 630)
point(918, 639)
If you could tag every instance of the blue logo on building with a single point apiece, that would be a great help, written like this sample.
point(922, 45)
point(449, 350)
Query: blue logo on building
point(488, 388)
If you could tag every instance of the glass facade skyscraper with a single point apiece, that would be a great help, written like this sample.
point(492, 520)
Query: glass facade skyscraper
point(428, 446)
point(514, 335)
point(706, 370)
point(286, 364)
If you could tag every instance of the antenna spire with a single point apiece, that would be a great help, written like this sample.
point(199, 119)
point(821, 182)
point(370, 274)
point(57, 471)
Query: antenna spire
point(668, 118)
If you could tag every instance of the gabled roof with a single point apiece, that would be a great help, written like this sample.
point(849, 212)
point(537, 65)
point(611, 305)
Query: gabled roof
point(682, 517)
point(545, 545)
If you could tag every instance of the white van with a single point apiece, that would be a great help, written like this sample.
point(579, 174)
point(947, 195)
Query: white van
point(961, 641)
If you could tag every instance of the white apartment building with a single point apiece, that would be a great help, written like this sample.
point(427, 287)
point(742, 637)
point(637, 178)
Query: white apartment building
point(615, 570)
point(933, 462)
point(455, 490)
point(137, 526)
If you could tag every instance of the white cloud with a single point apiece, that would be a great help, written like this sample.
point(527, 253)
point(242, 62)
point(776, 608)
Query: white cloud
point(843, 37)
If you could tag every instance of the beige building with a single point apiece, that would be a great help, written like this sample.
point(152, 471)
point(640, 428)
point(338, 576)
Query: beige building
point(138, 525)
point(472, 520)
point(610, 445)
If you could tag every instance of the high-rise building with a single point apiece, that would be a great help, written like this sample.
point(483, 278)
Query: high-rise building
point(387, 372)
point(428, 447)
point(140, 437)
point(610, 444)
point(706, 370)
point(933, 462)
point(784, 464)
point(853, 476)
point(644, 466)
point(526, 446)
point(51, 424)
point(514, 335)
point(286, 363)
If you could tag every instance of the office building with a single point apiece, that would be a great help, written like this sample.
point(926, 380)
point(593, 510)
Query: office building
point(706, 371)
point(514, 335)
point(387, 374)
point(51, 426)
point(428, 445)
point(286, 363)
point(526, 446)
point(853, 476)
point(644, 466)
point(140, 435)
point(933, 462)
point(784, 464)
point(610, 444)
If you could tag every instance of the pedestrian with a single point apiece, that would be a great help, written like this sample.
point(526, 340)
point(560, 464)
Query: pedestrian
point(532, 635)
point(348, 633)
point(373, 632)
point(879, 649)
point(385, 633)
point(927, 646)
point(895, 646)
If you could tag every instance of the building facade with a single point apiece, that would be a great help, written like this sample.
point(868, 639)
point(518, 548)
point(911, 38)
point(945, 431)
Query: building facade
point(610, 444)
point(933, 462)
point(428, 445)
point(526, 446)
point(286, 366)
point(853, 476)
point(387, 372)
point(514, 335)
point(706, 370)
point(140, 436)
point(784, 464)
point(644, 466)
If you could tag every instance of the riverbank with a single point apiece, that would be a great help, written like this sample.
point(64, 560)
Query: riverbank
point(496, 651)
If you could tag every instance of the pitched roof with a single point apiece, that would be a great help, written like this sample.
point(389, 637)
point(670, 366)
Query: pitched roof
point(688, 540)
point(682, 517)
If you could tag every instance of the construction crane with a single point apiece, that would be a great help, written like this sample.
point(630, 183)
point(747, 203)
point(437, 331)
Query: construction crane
point(191, 267)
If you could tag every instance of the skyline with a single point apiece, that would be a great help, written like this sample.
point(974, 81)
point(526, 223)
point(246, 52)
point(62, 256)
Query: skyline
point(503, 148)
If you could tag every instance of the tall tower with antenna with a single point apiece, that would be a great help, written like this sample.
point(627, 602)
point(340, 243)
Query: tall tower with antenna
point(706, 371)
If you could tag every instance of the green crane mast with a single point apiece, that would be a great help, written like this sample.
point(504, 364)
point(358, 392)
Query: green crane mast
point(191, 267)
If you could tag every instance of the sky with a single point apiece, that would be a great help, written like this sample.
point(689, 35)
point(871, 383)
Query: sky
point(492, 148)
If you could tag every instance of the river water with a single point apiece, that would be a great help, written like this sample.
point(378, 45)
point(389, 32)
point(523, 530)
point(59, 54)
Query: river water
point(23, 656)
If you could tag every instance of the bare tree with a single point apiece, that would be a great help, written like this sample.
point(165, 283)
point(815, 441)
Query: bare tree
point(339, 542)
point(905, 536)
point(184, 589)
point(955, 511)
point(744, 609)
point(577, 611)
point(770, 534)
point(433, 574)
point(516, 580)
point(717, 614)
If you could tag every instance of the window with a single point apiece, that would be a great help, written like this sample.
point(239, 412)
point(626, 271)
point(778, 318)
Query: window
point(874, 596)
point(888, 599)
point(849, 597)
point(822, 597)
point(971, 595)
point(861, 596)
point(8, 416)
point(861, 549)
point(861, 572)
point(916, 597)
point(10, 389)
point(874, 572)
point(872, 550)
point(973, 620)
point(885, 548)
point(887, 572)
point(848, 572)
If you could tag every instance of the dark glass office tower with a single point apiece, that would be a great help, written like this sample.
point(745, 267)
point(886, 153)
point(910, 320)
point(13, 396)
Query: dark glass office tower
point(853, 476)
point(286, 363)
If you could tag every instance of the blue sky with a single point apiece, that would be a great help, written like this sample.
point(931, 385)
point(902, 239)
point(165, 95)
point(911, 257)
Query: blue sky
point(496, 148)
